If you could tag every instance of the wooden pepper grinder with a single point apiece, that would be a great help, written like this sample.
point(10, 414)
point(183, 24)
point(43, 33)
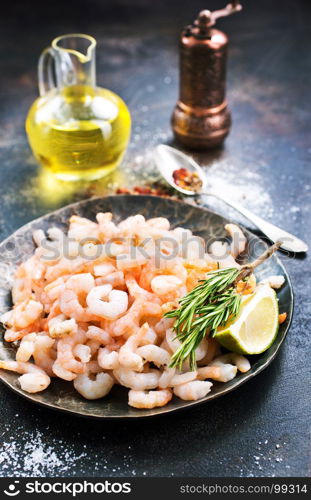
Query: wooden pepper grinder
point(201, 118)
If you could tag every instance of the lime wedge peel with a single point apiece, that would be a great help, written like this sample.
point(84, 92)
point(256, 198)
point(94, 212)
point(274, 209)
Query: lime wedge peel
point(254, 330)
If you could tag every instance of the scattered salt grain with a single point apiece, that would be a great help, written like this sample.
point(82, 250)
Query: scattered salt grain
point(35, 458)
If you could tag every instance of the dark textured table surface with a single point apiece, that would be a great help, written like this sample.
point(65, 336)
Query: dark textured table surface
point(263, 428)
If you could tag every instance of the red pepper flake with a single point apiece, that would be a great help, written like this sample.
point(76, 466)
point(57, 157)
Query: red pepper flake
point(186, 179)
point(282, 318)
point(142, 189)
point(123, 191)
point(145, 190)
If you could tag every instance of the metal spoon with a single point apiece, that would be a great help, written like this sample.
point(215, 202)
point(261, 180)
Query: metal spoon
point(169, 159)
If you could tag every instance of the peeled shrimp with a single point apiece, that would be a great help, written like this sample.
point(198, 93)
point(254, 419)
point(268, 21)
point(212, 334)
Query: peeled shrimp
point(38, 237)
point(26, 348)
point(136, 291)
point(239, 240)
point(54, 289)
point(94, 347)
point(12, 334)
point(33, 378)
point(107, 228)
point(242, 363)
point(21, 288)
point(43, 354)
point(154, 354)
point(127, 355)
point(76, 287)
point(274, 281)
point(62, 372)
point(108, 360)
point(116, 305)
point(222, 370)
point(149, 399)
point(103, 269)
point(25, 313)
point(59, 326)
point(126, 261)
point(65, 355)
point(182, 378)
point(166, 377)
point(165, 284)
point(150, 337)
point(164, 324)
point(81, 228)
point(114, 279)
point(220, 252)
point(98, 334)
point(82, 352)
point(130, 322)
point(191, 391)
point(93, 389)
point(137, 381)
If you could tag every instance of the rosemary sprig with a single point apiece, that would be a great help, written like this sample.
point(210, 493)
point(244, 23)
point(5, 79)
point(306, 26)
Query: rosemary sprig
point(208, 306)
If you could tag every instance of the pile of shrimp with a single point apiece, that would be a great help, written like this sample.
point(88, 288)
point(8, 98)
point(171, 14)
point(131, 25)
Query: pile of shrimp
point(89, 308)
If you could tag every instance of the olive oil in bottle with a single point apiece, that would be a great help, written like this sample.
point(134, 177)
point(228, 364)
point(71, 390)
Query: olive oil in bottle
point(77, 130)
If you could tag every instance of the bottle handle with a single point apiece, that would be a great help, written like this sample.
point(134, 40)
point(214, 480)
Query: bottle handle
point(46, 76)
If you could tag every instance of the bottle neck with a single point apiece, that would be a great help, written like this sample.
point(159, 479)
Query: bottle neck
point(72, 70)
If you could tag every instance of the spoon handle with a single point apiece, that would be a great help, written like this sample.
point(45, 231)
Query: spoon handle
point(289, 242)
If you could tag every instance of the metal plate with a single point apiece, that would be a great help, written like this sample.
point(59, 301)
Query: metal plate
point(60, 395)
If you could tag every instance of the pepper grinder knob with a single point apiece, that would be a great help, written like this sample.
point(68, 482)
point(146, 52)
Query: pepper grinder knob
point(201, 118)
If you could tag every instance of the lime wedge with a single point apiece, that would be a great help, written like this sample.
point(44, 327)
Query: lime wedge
point(255, 328)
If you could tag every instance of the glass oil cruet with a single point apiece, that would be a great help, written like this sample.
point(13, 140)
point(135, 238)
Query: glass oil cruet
point(75, 129)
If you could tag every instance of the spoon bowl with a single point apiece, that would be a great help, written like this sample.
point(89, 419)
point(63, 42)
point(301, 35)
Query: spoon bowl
point(169, 159)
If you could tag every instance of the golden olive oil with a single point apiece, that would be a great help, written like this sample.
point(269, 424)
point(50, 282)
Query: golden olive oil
point(79, 132)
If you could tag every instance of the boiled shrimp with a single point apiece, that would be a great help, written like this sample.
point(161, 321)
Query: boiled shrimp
point(137, 381)
point(276, 281)
point(107, 228)
point(154, 354)
point(60, 327)
point(108, 360)
point(93, 389)
point(242, 363)
point(115, 305)
point(33, 378)
point(149, 399)
point(165, 284)
point(222, 369)
point(25, 314)
point(43, 354)
point(127, 355)
point(192, 391)
point(239, 240)
point(115, 279)
point(76, 289)
point(65, 355)
point(98, 334)
point(26, 348)
point(130, 322)
point(136, 291)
